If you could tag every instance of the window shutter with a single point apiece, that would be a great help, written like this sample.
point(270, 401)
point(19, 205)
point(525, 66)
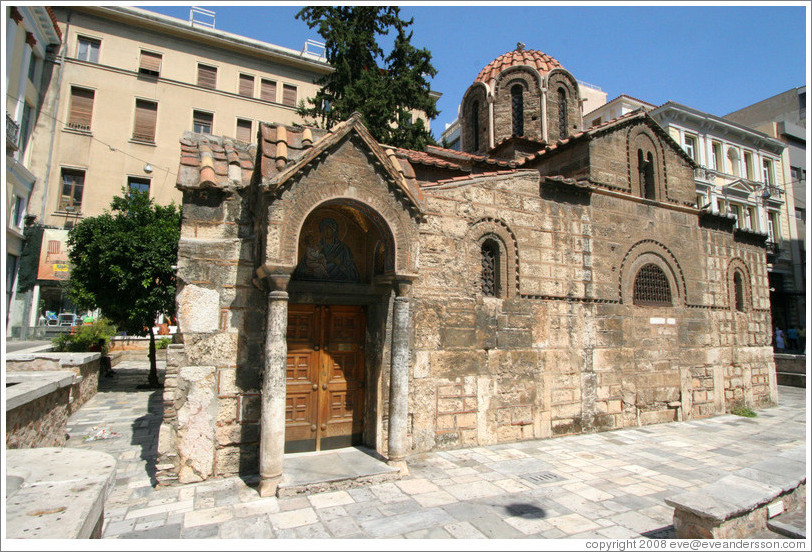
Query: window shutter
point(246, 85)
point(243, 130)
point(288, 95)
point(206, 76)
point(150, 63)
point(81, 108)
point(267, 91)
point(146, 115)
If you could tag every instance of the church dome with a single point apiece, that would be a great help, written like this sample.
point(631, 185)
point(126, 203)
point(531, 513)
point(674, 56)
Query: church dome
point(539, 60)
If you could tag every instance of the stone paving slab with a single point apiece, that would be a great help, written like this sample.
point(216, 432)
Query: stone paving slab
point(611, 485)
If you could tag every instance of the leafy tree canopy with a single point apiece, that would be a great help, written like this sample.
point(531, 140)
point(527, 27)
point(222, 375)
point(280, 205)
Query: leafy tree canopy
point(384, 89)
point(122, 263)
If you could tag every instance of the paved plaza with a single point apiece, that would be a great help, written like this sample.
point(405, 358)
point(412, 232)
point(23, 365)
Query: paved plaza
point(605, 485)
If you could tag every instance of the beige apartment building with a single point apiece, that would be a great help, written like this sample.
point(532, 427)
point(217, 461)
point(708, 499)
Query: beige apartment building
point(126, 85)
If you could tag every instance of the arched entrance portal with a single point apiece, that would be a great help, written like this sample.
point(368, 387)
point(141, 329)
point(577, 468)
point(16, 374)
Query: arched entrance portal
point(342, 247)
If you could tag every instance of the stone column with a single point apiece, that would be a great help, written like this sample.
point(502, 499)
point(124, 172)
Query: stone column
point(272, 420)
point(399, 378)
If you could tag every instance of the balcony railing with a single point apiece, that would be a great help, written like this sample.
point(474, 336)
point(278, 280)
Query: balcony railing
point(773, 249)
point(12, 133)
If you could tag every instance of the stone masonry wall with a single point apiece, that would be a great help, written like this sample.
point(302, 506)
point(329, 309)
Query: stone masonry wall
point(39, 423)
point(85, 367)
point(568, 352)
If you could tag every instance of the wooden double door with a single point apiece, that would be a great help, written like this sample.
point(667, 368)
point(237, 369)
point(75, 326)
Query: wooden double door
point(325, 377)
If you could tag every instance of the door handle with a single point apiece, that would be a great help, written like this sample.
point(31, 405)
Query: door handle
point(315, 387)
point(315, 347)
point(313, 427)
point(324, 386)
point(324, 427)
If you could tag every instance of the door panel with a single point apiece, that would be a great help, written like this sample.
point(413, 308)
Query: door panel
point(325, 378)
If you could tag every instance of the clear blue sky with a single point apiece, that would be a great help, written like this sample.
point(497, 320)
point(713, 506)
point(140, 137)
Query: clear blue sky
point(713, 58)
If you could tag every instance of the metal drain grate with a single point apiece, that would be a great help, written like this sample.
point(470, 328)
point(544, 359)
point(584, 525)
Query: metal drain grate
point(543, 477)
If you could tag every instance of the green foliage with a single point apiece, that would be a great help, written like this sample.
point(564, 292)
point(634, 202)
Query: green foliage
point(384, 89)
point(163, 343)
point(743, 410)
point(93, 337)
point(122, 263)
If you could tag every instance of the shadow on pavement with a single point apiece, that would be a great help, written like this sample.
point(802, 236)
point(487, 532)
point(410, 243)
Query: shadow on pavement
point(145, 433)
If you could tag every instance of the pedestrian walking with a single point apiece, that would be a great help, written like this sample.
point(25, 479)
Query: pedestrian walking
point(779, 339)
point(792, 339)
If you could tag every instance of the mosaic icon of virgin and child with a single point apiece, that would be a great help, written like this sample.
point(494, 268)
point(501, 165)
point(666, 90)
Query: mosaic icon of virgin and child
point(329, 258)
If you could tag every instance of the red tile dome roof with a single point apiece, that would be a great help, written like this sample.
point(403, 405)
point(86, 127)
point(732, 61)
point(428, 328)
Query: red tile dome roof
point(541, 61)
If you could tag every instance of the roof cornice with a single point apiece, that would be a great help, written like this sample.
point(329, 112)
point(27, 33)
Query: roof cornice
point(214, 37)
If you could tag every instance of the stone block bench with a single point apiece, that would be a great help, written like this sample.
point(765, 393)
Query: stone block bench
point(37, 408)
point(57, 493)
point(790, 369)
point(740, 505)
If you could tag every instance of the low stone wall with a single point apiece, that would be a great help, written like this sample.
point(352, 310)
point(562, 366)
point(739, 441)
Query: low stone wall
point(136, 348)
point(85, 367)
point(37, 408)
point(791, 369)
point(739, 505)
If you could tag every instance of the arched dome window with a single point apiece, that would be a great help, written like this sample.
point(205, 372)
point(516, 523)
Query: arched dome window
point(738, 290)
point(562, 114)
point(475, 125)
point(517, 104)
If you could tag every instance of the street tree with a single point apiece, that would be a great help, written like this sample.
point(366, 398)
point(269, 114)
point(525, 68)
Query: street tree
point(384, 88)
point(123, 263)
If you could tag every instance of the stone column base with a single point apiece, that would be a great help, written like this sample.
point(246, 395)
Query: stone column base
point(268, 487)
point(399, 464)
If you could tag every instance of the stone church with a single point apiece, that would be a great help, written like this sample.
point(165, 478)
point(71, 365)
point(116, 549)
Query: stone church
point(544, 281)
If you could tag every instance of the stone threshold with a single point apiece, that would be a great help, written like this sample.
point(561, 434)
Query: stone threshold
point(332, 470)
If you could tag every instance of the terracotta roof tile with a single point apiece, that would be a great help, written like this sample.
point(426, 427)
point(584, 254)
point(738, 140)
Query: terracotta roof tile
point(538, 60)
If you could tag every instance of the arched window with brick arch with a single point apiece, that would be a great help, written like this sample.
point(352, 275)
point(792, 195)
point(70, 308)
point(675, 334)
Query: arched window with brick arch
point(651, 287)
point(490, 278)
point(517, 107)
point(738, 291)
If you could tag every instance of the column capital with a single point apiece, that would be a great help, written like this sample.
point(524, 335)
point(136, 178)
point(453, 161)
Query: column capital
point(274, 277)
point(402, 284)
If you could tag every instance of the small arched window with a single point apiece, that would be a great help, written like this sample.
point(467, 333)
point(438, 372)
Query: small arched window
point(475, 125)
point(733, 160)
point(517, 104)
point(490, 276)
point(645, 168)
point(738, 290)
point(651, 287)
point(562, 114)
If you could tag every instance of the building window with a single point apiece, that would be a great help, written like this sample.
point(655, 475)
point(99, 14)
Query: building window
point(736, 211)
point(721, 206)
point(767, 172)
point(18, 212)
point(246, 85)
point(700, 201)
point(475, 125)
point(32, 66)
point(146, 116)
point(150, 65)
point(773, 227)
point(750, 218)
point(800, 214)
point(206, 76)
point(267, 90)
point(136, 184)
point(87, 49)
point(651, 287)
point(202, 122)
point(517, 104)
point(690, 146)
point(73, 183)
point(81, 108)
point(748, 165)
point(25, 127)
point(289, 95)
point(645, 167)
point(738, 291)
point(489, 280)
point(733, 159)
point(11, 276)
point(718, 162)
point(562, 113)
point(244, 130)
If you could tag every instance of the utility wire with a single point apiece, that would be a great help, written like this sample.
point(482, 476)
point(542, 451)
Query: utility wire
point(112, 148)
